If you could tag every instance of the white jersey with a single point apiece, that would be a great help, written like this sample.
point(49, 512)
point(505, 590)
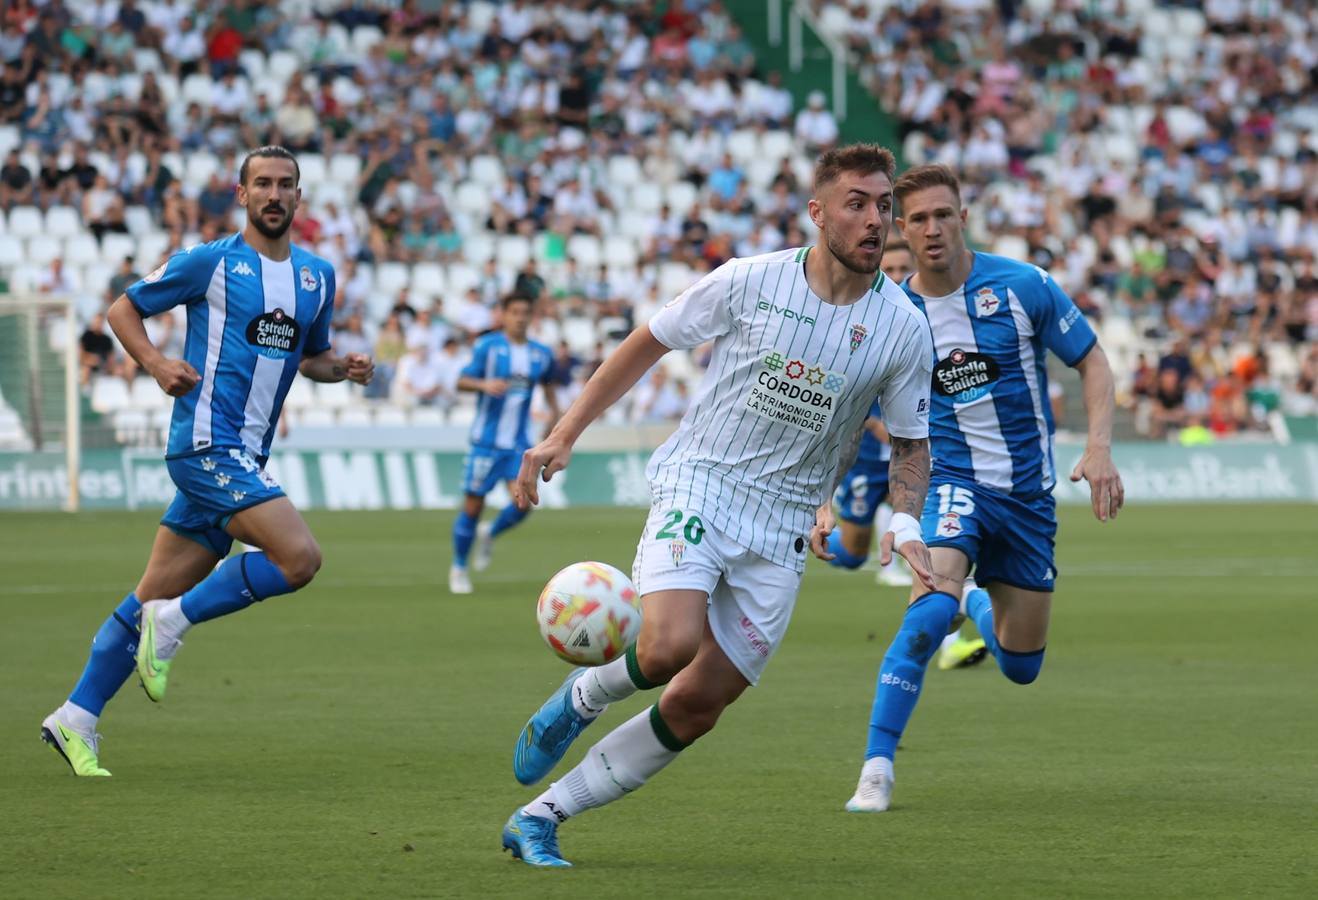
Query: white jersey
point(790, 381)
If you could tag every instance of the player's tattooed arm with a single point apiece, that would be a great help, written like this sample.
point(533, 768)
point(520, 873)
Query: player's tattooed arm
point(908, 475)
point(847, 457)
point(329, 367)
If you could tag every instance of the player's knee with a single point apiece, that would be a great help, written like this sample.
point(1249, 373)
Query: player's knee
point(661, 656)
point(1021, 668)
point(691, 712)
point(300, 564)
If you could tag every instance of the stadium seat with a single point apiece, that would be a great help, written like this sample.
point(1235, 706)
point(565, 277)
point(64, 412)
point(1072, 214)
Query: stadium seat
point(81, 250)
point(460, 416)
point(486, 170)
point(114, 247)
point(1012, 246)
point(776, 145)
point(744, 145)
point(645, 198)
point(62, 222)
point(311, 167)
point(41, 250)
point(197, 88)
point(584, 249)
point(316, 417)
point(474, 199)
point(426, 417)
point(428, 280)
point(512, 251)
point(96, 277)
point(109, 393)
point(253, 64)
point(461, 277)
point(356, 417)
point(333, 395)
point(620, 250)
point(151, 249)
point(624, 171)
point(389, 416)
point(364, 37)
point(391, 277)
point(328, 191)
point(145, 394)
point(11, 251)
point(345, 168)
point(11, 136)
point(281, 65)
point(138, 219)
point(681, 196)
point(26, 222)
point(300, 394)
point(200, 167)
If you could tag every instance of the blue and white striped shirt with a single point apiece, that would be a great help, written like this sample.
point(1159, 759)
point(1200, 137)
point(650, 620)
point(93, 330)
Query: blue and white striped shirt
point(251, 320)
point(500, 422)
point(990, 421)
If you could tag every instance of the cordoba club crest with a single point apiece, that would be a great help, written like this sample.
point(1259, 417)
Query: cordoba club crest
point(858, 333)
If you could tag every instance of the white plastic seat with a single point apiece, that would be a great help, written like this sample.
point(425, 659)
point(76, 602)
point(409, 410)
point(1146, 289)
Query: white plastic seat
point(486, 170)
point(109, 393)
point(356, 417)
point(345, 168)
point(512, 251)
point(81, 250)
point(428, 279)
point(62, 222)
point(585, 250)
point(620, 251)
point(389, 416)
point(146, 394)
point(26, 221)
point(41, 250)
point(115, 246)
point(390, 277)
point(333, 395)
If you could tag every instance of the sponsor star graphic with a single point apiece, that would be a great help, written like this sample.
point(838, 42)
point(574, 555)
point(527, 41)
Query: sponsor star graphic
point(795, 369)
point(814, 375)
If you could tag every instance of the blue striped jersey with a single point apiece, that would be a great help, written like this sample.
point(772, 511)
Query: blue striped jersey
point(873, 453)
point(251, 320)
point(500, 422)
point(990, 421)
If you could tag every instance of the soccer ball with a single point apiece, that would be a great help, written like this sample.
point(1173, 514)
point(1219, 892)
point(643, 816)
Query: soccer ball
point(589, 613)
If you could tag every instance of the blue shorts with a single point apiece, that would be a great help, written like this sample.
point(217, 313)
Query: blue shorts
point(1007, 539)
point(486, 467)
point(213, 486)
point(863, 488)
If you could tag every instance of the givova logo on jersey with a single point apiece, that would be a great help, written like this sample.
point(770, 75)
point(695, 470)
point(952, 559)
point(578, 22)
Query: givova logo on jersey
point(274, 334)
point(795, 392)
point(966, 375)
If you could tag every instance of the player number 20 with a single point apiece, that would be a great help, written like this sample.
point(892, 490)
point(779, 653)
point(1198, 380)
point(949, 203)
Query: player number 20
point(958, 500)
point(694, 530)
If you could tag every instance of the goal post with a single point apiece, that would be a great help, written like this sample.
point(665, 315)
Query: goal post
point(40, 399)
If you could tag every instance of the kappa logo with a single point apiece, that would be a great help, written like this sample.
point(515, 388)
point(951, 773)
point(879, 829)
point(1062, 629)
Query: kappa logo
point(241, 268)
point(208, 464)
point(222, 480)
point(237, 495)
point(986, 302)
point(308, 278)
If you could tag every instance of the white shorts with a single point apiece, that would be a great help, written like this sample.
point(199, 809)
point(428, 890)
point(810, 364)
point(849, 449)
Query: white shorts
point(750, 598)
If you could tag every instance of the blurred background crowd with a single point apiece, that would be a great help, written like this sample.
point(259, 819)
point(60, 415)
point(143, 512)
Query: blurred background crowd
point(1160, 159)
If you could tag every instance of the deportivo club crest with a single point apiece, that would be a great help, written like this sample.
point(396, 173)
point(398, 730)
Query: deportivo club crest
point(986, 302)
point(677, 548)
point(308, 278)
point(858, 333)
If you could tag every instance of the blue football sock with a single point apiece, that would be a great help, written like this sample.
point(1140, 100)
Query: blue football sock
point(1021, 668)
point(464, 532)
point(238, 583)
point(844, 559)
point(509, 516)
point(111, 660)
point(902, 673)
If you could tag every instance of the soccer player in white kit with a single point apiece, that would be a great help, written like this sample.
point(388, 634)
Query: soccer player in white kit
point(804, 341)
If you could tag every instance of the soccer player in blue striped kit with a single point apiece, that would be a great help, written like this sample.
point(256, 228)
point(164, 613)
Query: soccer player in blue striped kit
point(990, 502)
point(258, 313)
point(504, 370)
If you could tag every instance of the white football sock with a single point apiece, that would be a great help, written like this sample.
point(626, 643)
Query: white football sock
point(602, 685)
point(171, 625)
point(579, 700)
point(77, 718)
point(876, 766)
point(622, 761)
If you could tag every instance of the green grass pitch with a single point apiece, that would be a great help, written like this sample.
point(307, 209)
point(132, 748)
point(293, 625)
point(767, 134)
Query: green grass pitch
point(355, 740)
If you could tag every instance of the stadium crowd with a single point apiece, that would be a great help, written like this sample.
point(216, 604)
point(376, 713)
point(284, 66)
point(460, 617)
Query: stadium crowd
point(599, 156)
point(1161, 159)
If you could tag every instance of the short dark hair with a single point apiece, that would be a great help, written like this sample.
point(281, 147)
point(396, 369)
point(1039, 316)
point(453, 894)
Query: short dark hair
point(863, 158)
point(898, 244)
point(271, 151)
point(515, 298)
point(921, 177)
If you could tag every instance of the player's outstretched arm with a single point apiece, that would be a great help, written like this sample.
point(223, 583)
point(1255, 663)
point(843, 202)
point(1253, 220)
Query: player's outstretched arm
point(174, 376)
point(908, 483)
point(1106, 492)
point(619, 373)
point(330, 367)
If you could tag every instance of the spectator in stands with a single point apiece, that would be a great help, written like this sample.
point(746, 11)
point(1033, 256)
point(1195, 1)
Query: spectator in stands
point(124, 274)
point(390, 347)
point(96, 352)
point(16, 184)
point(815, 125)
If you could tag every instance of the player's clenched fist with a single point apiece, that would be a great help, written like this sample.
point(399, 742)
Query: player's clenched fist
point(175, 377)
point(547, 457)
point(361, 368)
